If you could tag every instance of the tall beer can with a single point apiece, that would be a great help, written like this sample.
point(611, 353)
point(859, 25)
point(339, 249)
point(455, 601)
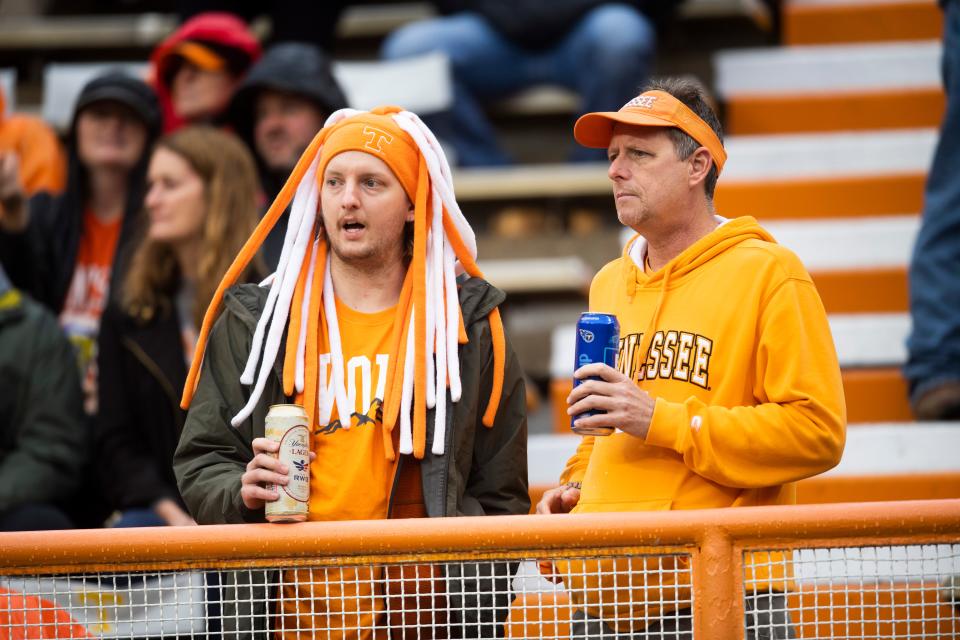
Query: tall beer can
point(287, 424)
point(598, 340)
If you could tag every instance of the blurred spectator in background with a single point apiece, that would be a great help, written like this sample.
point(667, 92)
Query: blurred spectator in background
point(602, 50)
point(31, 159)
point(278, 109)
point(201, 207)
point(933, 364)
point(43, 445)
point(290, 20)
point(61, 250)
point(198, 67)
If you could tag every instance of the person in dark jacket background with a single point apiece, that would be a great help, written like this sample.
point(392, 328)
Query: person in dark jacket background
point(60, 250)
point(602, 50)
point(278, 109)
point(201, 206)
point(43, 444)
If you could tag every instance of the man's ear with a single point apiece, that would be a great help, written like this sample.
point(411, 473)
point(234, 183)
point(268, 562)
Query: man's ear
point(700, 163)
point(411, 209)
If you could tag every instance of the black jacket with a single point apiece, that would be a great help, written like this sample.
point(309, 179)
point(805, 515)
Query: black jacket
point(41, 260)
point(538, 24)
point(141, 373)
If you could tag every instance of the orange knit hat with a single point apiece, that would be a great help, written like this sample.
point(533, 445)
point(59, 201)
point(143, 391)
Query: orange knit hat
point(379, 136)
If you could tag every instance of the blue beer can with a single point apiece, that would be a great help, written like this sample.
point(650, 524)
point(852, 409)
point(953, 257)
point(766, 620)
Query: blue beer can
point(598, 340)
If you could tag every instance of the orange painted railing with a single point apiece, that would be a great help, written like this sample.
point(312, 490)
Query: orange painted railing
point(717, 542)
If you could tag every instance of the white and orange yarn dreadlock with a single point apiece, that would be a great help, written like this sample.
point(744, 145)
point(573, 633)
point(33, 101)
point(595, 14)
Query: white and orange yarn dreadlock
point(428, 328)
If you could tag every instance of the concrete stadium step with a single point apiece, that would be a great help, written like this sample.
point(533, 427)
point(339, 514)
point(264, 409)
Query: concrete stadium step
point(420, 83)
point(876, 394)
point(863, 290)
point(8, 84)
point(862, 340)
point(871, 394)
point(848, 243)
point(771, 176)
point(901, 449)
point(831, 88)
point(858, 265)
point(560, 274)
point(831, 21)
point(870, 347)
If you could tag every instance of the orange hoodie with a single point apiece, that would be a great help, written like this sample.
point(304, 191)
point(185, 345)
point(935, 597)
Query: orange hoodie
point(732, 341)
point(43, 166)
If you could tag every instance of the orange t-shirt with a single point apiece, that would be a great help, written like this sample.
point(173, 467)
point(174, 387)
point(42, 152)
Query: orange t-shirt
point(87, 297)
point(350, 479)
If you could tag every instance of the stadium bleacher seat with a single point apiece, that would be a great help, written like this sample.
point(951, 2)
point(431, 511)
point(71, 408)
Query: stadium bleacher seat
point(8, 83)
point(831, 87)
point(62, 83)
point(421, 84)
point(832, 21)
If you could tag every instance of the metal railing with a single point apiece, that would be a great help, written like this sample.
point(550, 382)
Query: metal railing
point(826, 571)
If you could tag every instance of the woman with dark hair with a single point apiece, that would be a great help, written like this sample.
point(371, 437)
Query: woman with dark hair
point(60, 250)
point(201, 206)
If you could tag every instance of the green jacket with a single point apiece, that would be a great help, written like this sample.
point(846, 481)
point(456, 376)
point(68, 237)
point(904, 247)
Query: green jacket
point(43, 433)
point(483, 472)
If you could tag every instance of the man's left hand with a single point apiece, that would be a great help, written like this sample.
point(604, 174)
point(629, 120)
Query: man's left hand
point(628, 407)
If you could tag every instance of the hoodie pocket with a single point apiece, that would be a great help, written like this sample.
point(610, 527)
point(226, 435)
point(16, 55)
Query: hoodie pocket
point(605, 506)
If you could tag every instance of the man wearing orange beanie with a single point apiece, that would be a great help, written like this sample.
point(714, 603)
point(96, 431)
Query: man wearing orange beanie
point(415, 400)
point(727, 388)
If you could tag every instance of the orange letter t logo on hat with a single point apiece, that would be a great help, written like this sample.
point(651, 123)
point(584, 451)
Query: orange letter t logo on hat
point(376, 138)
point(644, 101)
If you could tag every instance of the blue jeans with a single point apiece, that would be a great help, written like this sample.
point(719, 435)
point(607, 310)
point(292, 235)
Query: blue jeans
point(605, 58)
point(139, 517)
point(934, 342)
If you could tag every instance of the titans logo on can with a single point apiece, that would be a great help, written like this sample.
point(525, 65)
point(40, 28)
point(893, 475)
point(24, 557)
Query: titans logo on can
point(598, 340)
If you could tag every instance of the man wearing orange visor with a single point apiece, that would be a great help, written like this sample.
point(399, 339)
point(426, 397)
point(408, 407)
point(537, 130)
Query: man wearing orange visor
point(727, 388)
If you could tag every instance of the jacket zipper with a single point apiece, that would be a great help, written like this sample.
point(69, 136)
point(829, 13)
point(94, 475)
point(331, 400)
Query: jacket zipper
point(154, 370)
point(393, 489)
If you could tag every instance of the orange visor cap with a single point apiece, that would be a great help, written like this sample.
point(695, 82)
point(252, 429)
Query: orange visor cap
point(199, 55)
point(649, 109)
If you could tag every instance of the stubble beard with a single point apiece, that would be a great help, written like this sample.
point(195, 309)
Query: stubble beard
point(369, 258)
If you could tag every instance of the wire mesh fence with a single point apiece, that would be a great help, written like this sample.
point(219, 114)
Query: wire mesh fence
point(896, 591)
point(679, 575)
point(460, 599)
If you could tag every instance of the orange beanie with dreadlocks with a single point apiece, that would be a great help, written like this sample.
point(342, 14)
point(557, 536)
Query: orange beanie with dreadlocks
point(428, 328)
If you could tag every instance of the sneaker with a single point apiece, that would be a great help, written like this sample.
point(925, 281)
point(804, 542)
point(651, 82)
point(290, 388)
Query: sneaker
point(939, 403)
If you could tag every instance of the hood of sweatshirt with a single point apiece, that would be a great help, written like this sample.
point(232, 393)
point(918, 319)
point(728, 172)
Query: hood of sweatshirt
point(224, 33)
point(297, 68)
point(729, 234)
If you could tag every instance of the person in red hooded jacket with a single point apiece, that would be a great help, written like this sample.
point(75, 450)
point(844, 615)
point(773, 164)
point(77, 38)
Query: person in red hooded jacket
point(198, 67)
